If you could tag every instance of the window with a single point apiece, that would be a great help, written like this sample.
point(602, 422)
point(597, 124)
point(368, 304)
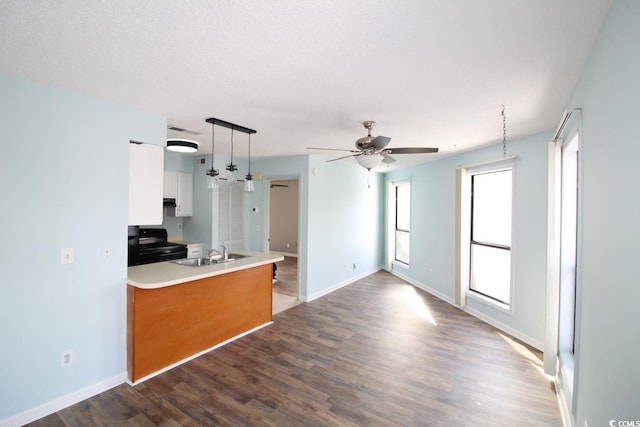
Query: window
point(228, 230)
point(490, 243)
point(403, 221)
point(568, 243)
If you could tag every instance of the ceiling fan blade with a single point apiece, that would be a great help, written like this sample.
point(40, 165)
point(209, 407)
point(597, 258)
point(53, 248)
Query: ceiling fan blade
point(344, 157)
point(379, 142)
point(387, 158)
point(411, 150)
point(332, 149)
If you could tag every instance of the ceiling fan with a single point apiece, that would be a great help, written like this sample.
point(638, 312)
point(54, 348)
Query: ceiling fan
point(371, 150)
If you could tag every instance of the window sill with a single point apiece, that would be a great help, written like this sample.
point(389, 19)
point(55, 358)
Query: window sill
point(505, 308)
point(399, 264)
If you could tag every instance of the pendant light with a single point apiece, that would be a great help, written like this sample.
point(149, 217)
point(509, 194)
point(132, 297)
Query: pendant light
point(249, 186)
point(231, 168)
point(212, 181)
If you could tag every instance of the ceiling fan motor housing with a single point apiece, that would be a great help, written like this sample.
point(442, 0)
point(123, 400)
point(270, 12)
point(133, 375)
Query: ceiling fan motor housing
point(363, 143)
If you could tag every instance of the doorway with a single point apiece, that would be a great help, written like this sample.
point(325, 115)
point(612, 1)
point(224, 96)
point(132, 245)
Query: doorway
point(284, 211)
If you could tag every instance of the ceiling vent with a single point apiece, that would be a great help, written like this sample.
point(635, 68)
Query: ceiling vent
point(178, 129)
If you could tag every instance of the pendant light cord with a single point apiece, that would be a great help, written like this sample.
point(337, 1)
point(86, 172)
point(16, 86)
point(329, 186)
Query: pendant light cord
point(213, 145)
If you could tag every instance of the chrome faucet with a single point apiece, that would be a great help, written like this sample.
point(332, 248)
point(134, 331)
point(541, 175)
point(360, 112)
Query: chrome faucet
point(212, 254)
point(225, 252)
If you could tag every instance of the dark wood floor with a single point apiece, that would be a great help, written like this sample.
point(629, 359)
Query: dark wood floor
point(377, 352)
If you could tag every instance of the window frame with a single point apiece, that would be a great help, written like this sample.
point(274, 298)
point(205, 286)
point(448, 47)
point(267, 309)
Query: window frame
point(396, 185)
point(465, 219)
point(473, 242)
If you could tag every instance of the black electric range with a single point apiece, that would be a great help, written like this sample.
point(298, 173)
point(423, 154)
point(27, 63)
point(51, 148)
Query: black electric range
point(148, 245)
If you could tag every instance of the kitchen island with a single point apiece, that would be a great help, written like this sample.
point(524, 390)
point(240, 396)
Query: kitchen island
point(176, 312)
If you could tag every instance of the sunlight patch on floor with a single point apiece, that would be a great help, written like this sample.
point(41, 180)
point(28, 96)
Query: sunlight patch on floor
point(414, 300)
point(533, 359)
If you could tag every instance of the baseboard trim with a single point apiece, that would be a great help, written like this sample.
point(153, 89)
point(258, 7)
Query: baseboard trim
point(563, 400)
point(491, 321)
point(193, 356)
point(337, 286)
point(63, 401)
point(291, 254)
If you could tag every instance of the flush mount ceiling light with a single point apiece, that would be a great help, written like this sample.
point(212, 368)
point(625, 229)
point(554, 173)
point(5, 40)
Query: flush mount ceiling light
point(182, 145)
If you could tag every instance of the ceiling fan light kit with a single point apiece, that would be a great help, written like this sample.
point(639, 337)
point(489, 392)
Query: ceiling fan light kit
point(182, 145)
point(371, 150)
point(369, 161)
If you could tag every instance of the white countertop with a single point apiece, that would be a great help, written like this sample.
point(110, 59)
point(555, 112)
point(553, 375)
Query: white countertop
point(161, 274)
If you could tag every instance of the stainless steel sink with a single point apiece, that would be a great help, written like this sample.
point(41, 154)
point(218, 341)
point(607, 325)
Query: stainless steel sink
point(232, 257)
point(193, 262)
point(201, 262)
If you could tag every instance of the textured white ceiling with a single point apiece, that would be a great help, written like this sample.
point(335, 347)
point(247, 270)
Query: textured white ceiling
point(308, 72)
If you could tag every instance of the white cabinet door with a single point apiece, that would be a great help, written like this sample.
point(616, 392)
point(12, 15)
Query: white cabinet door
point(184, 197)
point(146, 164)
point(170, 184)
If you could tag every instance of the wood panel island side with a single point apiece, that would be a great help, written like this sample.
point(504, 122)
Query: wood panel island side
point(176, 312)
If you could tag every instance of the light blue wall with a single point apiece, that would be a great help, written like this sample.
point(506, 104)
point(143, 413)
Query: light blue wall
point(64, 169)
point(345, 225)
point(339, 223)
point(433, 231)
point(608, 342)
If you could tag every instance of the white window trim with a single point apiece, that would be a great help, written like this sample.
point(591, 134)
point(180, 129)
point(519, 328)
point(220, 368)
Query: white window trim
point(391, 263)
point(463, 234)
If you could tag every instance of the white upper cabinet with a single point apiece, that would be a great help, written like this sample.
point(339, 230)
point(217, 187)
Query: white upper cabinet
point(184, 196)
point(146, 167)
point(170, 184)
point(179, 186)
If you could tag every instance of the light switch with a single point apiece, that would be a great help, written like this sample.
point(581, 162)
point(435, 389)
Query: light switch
point(66, 256)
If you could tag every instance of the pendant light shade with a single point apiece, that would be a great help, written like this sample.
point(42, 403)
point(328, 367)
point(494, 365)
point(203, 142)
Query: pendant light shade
point(182, 145)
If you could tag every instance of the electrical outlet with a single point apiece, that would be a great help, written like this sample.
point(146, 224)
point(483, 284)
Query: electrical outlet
point(66, 256)
point(66, 358)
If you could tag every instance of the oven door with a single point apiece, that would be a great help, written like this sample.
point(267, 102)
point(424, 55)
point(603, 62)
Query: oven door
point(160, 254)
